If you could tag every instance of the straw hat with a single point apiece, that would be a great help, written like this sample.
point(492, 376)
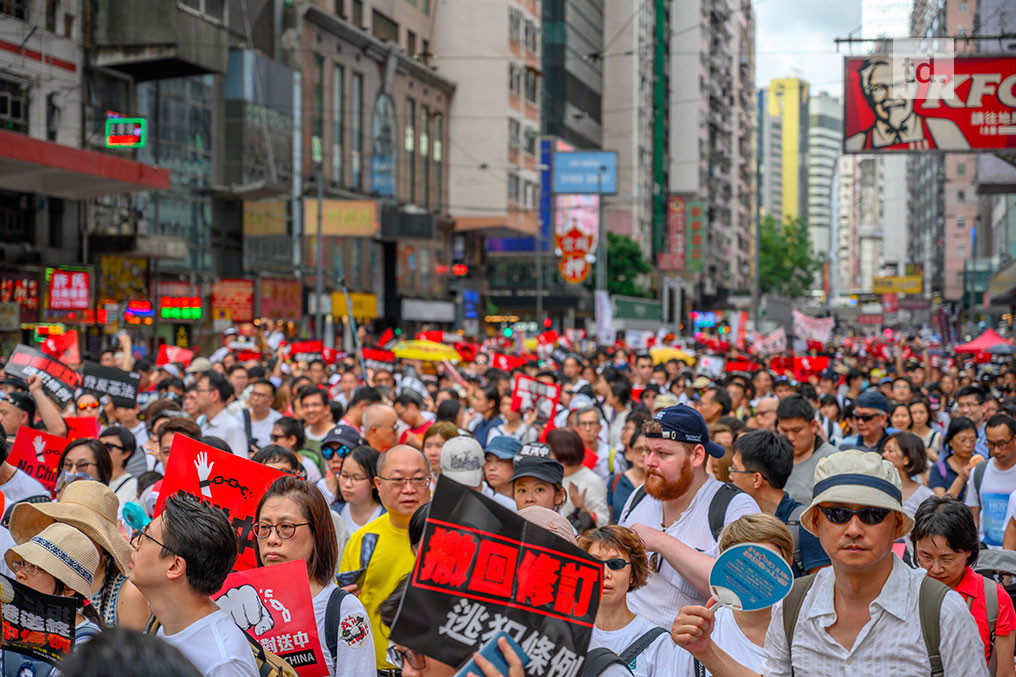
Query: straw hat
point(554, 522)
point(86, 505)
point(860, 478)
point(64, 553)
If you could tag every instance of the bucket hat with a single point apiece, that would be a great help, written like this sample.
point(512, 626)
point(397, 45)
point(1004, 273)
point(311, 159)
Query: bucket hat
point(64, 553)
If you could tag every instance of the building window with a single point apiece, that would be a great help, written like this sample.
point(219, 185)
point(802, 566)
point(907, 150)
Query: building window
point(52, 9)
point(384, 29)
point(961, 168)
point(515, 24)
point(13, 106)
point(213, 9)
point(15, 8)
point(411, 149)
point(438, 149)
point(532, 35)
point(317, 124)
point(411, 44)
point(513, 187)
point(514, 134)
point(515, 77)
point(358, 13)
point(961, 223)
point(338, 119)
point(962, 6)
point(532, 86)
point(961, 196)
point(424, 152)
point(340, 8)
point(356, 128)
point(425, 7)
point(529, 137)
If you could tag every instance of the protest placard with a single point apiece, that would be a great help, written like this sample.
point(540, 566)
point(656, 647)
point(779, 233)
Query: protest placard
point(120, 385)
point(232, 483)
point(169, 354)
point(58, 380)
point(81, 426)
point(36, 625)
point(481, 570)
point(37, 454)
point(273, 604)
point(306, 351)
point(530, 393)
point(378, 359)
point(749, 577)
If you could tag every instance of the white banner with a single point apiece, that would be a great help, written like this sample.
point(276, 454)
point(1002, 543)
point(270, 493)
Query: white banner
point(813, 328)
point(604, 318)
point(769, 344)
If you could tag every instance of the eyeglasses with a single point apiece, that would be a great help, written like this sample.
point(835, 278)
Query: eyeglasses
point(615, 563)
point(143, 533)
point(17, 564)
point(747, 472)
point(330, 451)
point(79, 466)
point(87, 405)
point(866, 417)
point(400, 482)
point(343, 477)
point(285, 530)
point(417, 661)
point(276, 438)
point(998, 445)
point(110, 446)
point(841, 515)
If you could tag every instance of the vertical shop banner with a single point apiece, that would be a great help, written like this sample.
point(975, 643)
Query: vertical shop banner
point(58, 380)
point(232, 483)
point(120, 385)
point(530, 394)
point(273, 604)
point(280, 299)
point(37, 454)
point(70, 289)
point(36, 625)
point(21, 288)
point(233, 299)
point(677, 226)
point(481, 570)
point(698, 226)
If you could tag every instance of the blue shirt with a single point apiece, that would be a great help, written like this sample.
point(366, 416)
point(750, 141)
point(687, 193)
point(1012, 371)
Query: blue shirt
point(942, 475)
point(981, 448)
point(812, 554)
point(618, 491)
point(483, 428)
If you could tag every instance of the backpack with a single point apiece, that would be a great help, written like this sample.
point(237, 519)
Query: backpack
point(269, 664)
point(794, 524)
point(332, 614)
point(978, 476)
point(929, 606)
point(599, 659)
point(717, 506)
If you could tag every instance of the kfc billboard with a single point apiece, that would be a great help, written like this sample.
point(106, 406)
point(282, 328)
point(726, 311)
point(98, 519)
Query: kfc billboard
point(897, 103)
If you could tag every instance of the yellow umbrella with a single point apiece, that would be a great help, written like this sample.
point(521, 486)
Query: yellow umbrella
point(429, 351)
point(665, 354)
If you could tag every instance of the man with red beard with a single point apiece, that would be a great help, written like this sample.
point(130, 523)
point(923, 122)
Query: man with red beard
point(691, 507)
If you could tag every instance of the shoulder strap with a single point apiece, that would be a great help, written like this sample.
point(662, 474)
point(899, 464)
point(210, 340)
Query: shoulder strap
point(152, 626)
point(640, 644)
point(930, 607)
point(700, 670)
point(332, 614)
point(794, 524)
point(979, 478)
point(598, 660)
point(614, 482)
point(991, 609)
point(718, 507)
point(636, 498)
point(792, 604)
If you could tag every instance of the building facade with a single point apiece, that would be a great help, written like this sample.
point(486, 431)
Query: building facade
point(825, 141)
point(572, 80)
point(788, 100)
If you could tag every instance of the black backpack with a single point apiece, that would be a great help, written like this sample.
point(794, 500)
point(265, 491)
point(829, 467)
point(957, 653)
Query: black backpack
point(332, 614)
point(599, 659)
point(717, 506)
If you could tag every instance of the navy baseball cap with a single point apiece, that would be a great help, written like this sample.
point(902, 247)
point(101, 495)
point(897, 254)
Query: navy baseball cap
point(504, 447)
point(872, 399)
point(681, 423)
point(22, 401)
point(342, 439)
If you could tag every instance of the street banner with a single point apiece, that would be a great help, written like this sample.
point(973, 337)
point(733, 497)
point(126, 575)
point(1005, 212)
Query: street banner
point(36, 625)
point(481, 570)
point(37, 454)
point(530, 393)
point(781, 365)
point(742, 365)
point(63, 347)
point(771, 343)
point(81, 426)
point(375, 359)
point(232, 483)
point(120, 385)
point(168, 353)
point(305, 351)
point(806, 367)
point(813, 328)
point(506, 362)
point(274, 606)
point(58, 380)
point(912, 103)
point(749, 577)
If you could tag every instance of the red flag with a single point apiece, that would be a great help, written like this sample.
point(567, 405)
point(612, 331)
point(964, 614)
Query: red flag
point(741, 365)
point(387, 337)
point(62, 347)
point(169, 354)
point(37, 454)
point(806, 367)
point(81, 426)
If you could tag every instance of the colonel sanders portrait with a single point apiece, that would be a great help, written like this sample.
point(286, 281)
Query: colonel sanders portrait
point(897, 126)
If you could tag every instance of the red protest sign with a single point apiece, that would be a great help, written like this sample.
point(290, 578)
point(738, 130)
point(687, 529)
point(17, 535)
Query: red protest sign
point(81, 426)
point(63, 347)
point(378, 359)
point(741, 365)
point(273, 604)
point(169, 354)
point(529, 393)
point(305, 351)
point(58, 381)
point(37, 453)
point(806, 367)
point(227, 481)
point(506, 362)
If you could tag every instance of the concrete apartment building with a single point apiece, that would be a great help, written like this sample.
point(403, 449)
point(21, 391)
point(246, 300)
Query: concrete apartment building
point(825, 141)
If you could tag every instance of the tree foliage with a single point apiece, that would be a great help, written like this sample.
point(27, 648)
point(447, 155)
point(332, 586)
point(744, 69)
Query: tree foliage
point(787, 261)
point(624, 264)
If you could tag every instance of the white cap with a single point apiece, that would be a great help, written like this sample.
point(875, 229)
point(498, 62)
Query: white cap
point(462, 460)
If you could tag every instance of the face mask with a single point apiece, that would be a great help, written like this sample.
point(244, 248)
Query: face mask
point(65, 478)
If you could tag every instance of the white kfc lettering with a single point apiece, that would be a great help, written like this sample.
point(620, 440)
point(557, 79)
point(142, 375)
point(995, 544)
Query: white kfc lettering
point(981, 84)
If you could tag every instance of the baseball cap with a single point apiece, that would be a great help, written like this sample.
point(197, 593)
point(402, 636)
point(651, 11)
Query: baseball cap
point(504, 447)
point(22, 401)
point(547, 469)
point(664, 400)
point(701, 381)
point(681, 423)
point(872, 399)
point(15, 382)
point(341, 435)
point(829, 374)
point(198, 364)
point(462, 460)
point(230, 331)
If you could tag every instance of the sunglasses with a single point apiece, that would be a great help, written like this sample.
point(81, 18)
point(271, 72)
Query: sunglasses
point(87, 405)
point(866, 417)
point(615, 563)
point(330, 451)
point(841, 515)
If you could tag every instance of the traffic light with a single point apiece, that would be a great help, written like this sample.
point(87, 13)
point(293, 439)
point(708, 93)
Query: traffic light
point(507, 332)
point(397, 332)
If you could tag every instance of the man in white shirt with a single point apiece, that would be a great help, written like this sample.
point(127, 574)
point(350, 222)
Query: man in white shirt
point(228, 336)
point(260, 413)
point(992, 482)
point(211, 395)
point(678, 495)
point(608, 461)
point(178, 561)
point(861, 616)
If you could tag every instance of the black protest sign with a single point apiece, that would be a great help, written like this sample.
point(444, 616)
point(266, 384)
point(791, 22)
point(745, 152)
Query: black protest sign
point(120, 385)
point(482, 570)
point(37, 625)
point(58, 380)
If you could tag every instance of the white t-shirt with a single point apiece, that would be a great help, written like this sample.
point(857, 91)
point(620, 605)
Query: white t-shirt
point(996, 486)
point(311, 436)
point(666, 591)
point(260, 431)
point(21, 486)
point(313, 473)
point(911, 505)
point(657, 658)
point(354, 645)
point(347, 516)
point(125, 487)
point(506, 501)
point(1010, 510)
point(140, 432)
point(216, 647)
point(728, 636)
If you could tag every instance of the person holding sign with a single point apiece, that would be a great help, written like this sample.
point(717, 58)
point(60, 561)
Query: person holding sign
point(293, 523)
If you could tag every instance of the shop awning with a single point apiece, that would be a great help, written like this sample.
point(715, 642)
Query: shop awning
point(29, 165)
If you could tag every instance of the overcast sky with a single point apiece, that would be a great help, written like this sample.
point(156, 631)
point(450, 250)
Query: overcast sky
point(794, 38)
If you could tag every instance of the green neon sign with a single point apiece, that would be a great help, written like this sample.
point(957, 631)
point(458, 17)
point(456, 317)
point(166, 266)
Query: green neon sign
point(126, 132)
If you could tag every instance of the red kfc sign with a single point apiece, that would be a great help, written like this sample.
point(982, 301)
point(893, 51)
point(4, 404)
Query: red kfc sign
point(913, 103)
point(69, 289)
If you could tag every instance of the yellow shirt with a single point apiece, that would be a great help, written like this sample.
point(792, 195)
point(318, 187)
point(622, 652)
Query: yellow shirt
point(393, 559)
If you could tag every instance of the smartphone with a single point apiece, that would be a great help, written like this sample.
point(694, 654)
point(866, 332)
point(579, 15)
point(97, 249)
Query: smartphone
point(492, 653)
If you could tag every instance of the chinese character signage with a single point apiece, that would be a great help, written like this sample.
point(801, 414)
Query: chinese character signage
point(273, 604)
point(58, 381)
point(23, 289)
point(481, 570)
point(69, 289)
point(695, 240)
point(677, 223)
point(913, 103)
point(233, 300)
point(120, 385)
point(281, 299)
point(37, 454)
point(224, 480)
point(531, 394)
point(36, 625)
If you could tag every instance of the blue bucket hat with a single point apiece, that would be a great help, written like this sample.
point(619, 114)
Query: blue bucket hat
point(504, 447)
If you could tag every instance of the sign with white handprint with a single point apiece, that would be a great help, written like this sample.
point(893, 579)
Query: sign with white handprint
point(37, 454)
point(224, 480)
point(273, 604)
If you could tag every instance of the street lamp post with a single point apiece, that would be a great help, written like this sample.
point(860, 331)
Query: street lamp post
point(601, 239)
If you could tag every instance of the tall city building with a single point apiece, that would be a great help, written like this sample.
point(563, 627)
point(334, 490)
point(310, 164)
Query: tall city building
point(885, 18)
point(573, 71)
point(825, 141)
point(846, 224)
point(769, 184)
point(788, 100)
